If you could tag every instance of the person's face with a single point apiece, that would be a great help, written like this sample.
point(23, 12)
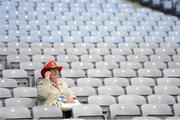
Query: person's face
point(54, 73)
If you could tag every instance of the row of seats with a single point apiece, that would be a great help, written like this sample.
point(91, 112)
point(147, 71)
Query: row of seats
point(95, 87)
point(96, 82)
point(170, 6)
point(98, 37)
point(92, 61)
point(86, 45)
point(93, 111)
point(107, 64)
point(91, 51)
point(22, 75)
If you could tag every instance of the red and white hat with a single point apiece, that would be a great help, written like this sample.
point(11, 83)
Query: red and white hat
point(49, 65)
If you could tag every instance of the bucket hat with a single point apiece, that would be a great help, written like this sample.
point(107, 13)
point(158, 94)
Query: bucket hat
point(49, 65)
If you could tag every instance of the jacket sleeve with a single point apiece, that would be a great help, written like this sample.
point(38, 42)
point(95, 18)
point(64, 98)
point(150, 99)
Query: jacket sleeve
point(43, 89)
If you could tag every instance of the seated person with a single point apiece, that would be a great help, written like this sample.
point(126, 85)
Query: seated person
point(52, 89)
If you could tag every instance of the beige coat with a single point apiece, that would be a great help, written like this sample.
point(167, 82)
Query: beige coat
point(47, 93)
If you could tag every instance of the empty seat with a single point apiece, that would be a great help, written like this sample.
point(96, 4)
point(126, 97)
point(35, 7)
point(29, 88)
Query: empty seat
point(138, 90)
point(22, 92)
point(82, 65)
point(131, 99)
point(42, 58)
point(174, 65)
point(15, 112)
point(114, 58)
point(121, 51)
point(26, 102)
point(30, 51)
point(67, 58)
point(62, 45)
point(169, 44)
point(123, 111)
point(31, 65)
point(155, 65)
point(106, 45)
point(47, 112)
point(110, 90)
point(148, 45)
point(122, 82)
point(99, 51)
point(103, 100)
point(106, 65)
point(98, 73)
point(149, 73)
point(167, 89)
point(137, 58)
point(8, 83)
point(160, 110)
point(72, 73)
point(91, 58)
point(84, 45)
point(40, 45)
point(142, 81)
point(92, 82)
point(127, 45)
point(168, 81)
point(53, 51)
point(160, 58)
point(88, 111)
point(5, 93)
point(171, 72)
point(124, 73)
point(13, 61)
point(165, 51)
point(82, 92)
point(21, 76)
point(162, 98)
point(130, 65)
point(17, 45)
point(143, 51)
point(76, 51)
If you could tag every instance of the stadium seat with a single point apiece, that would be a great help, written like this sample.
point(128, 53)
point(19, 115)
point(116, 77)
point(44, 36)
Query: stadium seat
point(122, 82)
point(25, 102)
point(159, 110)
point(124, 73)
point(161, 98)
point(101, 73)
point(168, 81)
point(131, 99)
point(22, 92)
point(19, 75)
point(88, 111)
point(138, 90)
point(8, 83)
point(143, 81)
point(110, 90)
point(47, 112)
point(72, 73)
point(15, 112)
point(82, 92)
point(123, 111)
point(103, 100)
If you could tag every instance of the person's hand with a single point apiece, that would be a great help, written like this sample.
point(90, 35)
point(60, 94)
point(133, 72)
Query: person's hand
point(47, 75)
point(70, 100)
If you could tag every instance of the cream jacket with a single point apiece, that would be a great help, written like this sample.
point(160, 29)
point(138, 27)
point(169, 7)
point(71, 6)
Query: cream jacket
point(47, 93)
